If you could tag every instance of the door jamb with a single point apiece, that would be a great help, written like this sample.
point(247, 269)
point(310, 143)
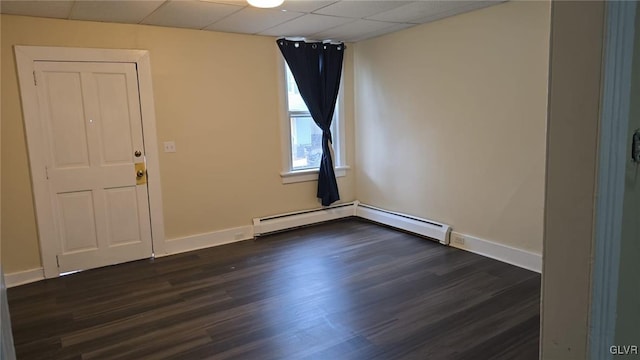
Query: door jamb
point(25, 58)
point(612, 157)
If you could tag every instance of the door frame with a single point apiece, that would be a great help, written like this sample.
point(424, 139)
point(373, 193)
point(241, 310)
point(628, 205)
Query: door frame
point(613, 154)
point(25, 58)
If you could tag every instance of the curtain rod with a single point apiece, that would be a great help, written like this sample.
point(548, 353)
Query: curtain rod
point(332, 42)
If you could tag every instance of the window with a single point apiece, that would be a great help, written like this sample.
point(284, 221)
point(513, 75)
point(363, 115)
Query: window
point(304, 138)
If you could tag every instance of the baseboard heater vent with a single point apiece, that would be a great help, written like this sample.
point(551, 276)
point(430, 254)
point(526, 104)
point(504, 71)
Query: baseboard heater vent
point(416, 225)
point(423, 227)
point(270, 224)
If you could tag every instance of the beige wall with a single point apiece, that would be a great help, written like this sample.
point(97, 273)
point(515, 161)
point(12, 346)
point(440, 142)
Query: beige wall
point(216, 95)
point(1, 268)
point(1, 166)
point(574, 112)
point(450, 122)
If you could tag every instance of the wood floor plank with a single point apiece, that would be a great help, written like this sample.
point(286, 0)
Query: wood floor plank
point(341, 290)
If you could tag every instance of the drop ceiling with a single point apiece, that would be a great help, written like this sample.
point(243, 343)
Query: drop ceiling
point(344, 20)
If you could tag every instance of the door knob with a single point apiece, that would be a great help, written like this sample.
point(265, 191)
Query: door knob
point(137, 153)
point(141, 173)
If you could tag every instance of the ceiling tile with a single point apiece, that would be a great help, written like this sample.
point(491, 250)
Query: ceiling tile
point(306, 25)
point(252, 20)
point(353, 30)
point(414, 11)
point(189, 14)
point(51, 9)
point(389, 30)
point(303, 6)
point(229, 2)
point(463, 6)
point(114, 11)
point(359, 9)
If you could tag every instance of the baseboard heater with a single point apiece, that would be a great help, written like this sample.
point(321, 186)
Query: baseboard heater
point(416, 225)
point(270, 224)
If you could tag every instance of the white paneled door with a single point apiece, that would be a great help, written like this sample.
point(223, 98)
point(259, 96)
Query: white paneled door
point(94, 155)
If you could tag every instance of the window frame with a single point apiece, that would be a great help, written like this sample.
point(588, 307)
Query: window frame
point(288, 174)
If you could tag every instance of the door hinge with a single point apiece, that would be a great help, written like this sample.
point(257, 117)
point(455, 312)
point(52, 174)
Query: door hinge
point(46, 172)
point(58, 260)
point(35, 78)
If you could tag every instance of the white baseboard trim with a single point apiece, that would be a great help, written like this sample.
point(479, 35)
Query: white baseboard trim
point(201, 241)
point(518, 257)
point(510, 255)
point(441, 232)
point(24, 277)
point(281, 222)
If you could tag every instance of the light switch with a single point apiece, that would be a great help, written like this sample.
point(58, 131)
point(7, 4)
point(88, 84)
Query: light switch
point(169, 146)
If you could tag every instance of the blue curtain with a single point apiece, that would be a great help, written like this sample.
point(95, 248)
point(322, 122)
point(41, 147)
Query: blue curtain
point(317, 68)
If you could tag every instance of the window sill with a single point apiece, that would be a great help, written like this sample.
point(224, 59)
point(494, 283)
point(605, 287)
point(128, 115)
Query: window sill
point(289, 177)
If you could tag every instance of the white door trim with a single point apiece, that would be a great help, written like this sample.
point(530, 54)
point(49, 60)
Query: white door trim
point(25, 57)
point(612, 158)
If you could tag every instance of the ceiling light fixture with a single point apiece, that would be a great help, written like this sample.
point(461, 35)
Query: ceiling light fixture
point(265, 3)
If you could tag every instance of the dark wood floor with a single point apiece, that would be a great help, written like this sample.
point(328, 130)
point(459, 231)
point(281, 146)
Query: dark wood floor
point(342, 290)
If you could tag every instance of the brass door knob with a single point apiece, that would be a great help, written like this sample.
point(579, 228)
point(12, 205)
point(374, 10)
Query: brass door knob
point(141, 174)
